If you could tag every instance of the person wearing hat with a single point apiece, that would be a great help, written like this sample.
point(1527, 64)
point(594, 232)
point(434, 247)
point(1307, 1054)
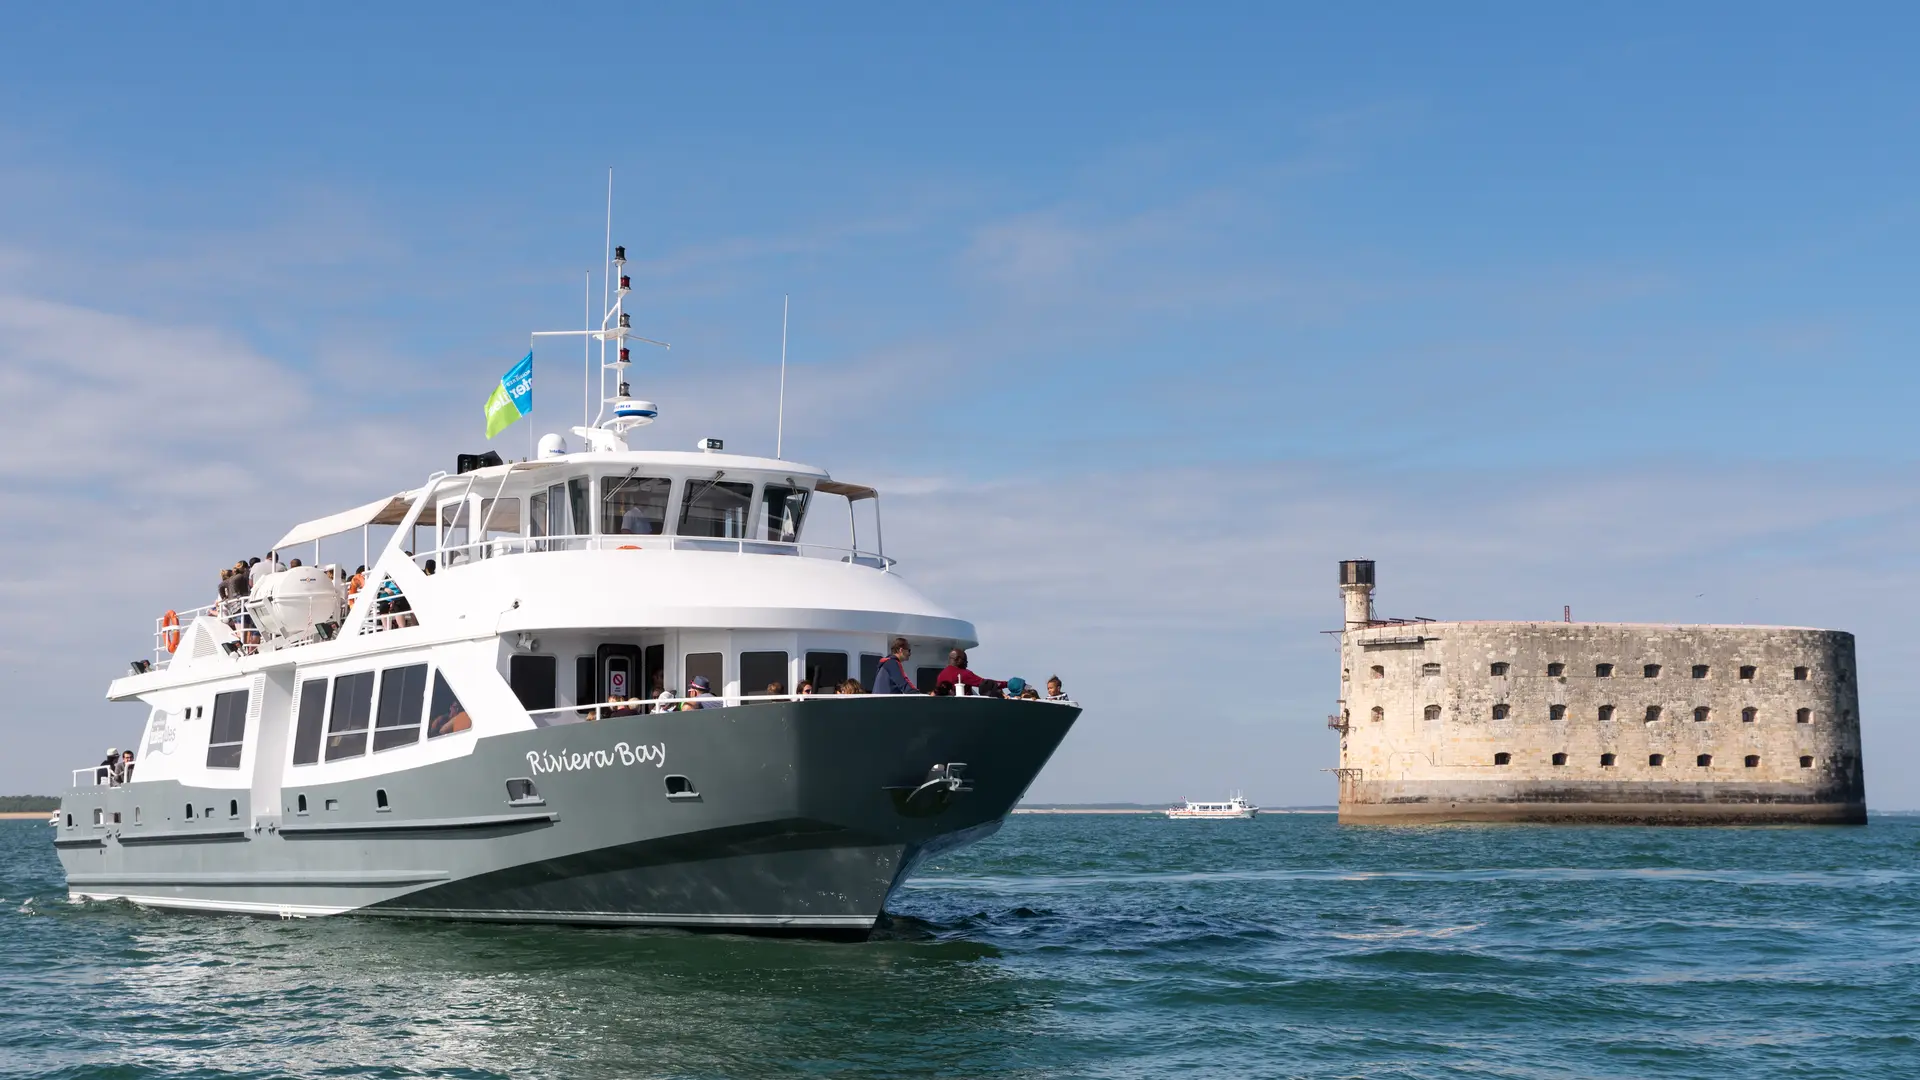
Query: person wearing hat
point(702, 690)
point(101, 774)
point(1016, 686)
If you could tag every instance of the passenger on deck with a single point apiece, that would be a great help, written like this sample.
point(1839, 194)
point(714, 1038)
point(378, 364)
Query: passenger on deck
point(428, 569)
point(258, 569)
point(105, 770)
point(892, 676)
point(355, 583)
point(851, 686)
point(806, 687)
point(943, 689)
point(1055, 691)
point(1017, 687)
point(662, 700)
point(701, 689)
point(1029, 694)
point(776, 689)
point(956, 675)
point(294, 565)
point(126, 766)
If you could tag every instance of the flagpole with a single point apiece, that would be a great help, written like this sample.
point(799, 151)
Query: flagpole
point(780, 423)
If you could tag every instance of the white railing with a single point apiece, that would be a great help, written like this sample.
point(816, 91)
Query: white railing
point(460, 554)
point(606, 710)
point(100, 776)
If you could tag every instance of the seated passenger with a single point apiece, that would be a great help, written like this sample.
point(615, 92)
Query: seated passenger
point(1029, 694)
point(776, 689)
point(851, 686)
point(956, 676)
point(892, 676)
point(1017, 687)
point(1055, 691)
point(428, 569)
point(104, 771)
point(806, 687)
point(455, 719)
point(943, 689)
point(702, 690)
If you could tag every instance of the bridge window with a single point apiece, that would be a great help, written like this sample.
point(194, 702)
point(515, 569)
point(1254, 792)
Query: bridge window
point(1499, 668)
point(1753, 761)
point(1699, 671)
point(781, 511)
point(763, 673)
point(402, 693)
point(1379, 714)
point(1606, 761)
point(1803, 716)
point(229, 732)
point(1747, 671)
point(1500, 712)
point(1651, 671)
point(1555, 670)
point(1656, 760)
point(351, 713)
point(1433, 712)
point(1603, 671)
point(445, 715)
point(634, 505)
point(1702, 714)
point(1503, 758)
point(1556, 712)
point(1606, 714)
point(715, 508)
point(1703, 760)
point(1559, 759)
point(1749, 714)
point(313, 710)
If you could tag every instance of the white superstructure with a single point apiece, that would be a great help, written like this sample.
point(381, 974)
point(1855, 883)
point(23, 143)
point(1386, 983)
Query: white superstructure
point(1234, 807)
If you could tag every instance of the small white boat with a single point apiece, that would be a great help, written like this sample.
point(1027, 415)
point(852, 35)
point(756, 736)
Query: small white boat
point(1234, 807)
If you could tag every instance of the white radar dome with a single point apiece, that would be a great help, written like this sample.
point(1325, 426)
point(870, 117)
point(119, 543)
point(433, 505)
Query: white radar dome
point(553, 444)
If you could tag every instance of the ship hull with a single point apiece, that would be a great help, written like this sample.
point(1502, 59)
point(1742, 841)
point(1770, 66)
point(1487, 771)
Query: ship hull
point(794, 817)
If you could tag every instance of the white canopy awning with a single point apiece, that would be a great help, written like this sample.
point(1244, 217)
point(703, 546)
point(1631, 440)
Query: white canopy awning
point(853, 492)
point(391, 510)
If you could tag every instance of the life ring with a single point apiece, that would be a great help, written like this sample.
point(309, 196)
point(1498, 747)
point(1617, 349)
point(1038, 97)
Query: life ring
point(170, 630)
point(628, 547)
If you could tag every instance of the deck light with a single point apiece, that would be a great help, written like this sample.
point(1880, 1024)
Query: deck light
point(626, 320)
point(620, 255)
point(623, 354)
point(626, 283)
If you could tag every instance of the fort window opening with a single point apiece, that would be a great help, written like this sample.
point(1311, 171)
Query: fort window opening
point(1606, 761)
point(1803, 716)
point(1702, 714)
point(1379, 672)
point(1746, 671)
point(1806, 762)
point(1606, 714)
point(1499, 668)
point(1429, 669)
point(1651, 671)
point(1753, 761)
point(1653, 713)
point(1703, 760)
point(1379, 714)
point(1556, 712)
point(1433, 712)
point(1503, 758)
point(1555, 670)
point(1699, 671)
point(1500, 712)
point(1749, 714)
point(1559, 759)
point(1656, 760)
point(1799, 674)
point(1346, 674)
point(1603, 671)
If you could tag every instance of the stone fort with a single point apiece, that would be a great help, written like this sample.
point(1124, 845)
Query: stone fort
point(1593, 722)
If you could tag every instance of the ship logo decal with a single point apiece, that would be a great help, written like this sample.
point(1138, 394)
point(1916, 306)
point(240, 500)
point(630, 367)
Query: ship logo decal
point(563, 760)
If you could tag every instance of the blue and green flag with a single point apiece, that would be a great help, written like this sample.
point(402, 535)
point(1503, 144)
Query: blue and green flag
point(513, 398)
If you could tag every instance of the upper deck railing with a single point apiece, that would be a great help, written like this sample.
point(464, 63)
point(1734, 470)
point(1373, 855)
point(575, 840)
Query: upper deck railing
point(606, 710)
point(475, 551)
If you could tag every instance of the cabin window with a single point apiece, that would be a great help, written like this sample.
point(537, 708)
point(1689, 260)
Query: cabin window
point(715, 508)
point(96, 819)
point(709, 664)
point(1803, 716)
point(352, 711)
point(1703, 760)
point(1606, 761)
point(380, 803)
point(1651, 671)
point(229, 732)
point(100, 816)
point(924, 678)
point(579, 505)
point(781, 510)
point(1500, 712)
point(1503, 758)
point(402, 693)
point(300, 803)
point(1379, 714)
point(69, 821)
point(1429, 669)
point(681, 787)
point(313, 711)
point(233, 808)
point(445, 716)
point(116, 817)
point(1699, 671)
point(1702, 714)
point(455, 516)
point(537, 513)
point(1653, 713)
point(533, 679)
point(869, 670)
point(522, 792)
point(1749, 714)
point(1556, 712)
point(1753, 761)
point(826, 671)
point(1556, 670)
point(499, 518)
point(1746, 671)
point(1378, 671)
point(1656, 760)
point(1606, 714)
point(1559, 759)
point(1806, 762)
point(584, 691)
point(1433, 712)
point(1603, 671)
point(1499, 668)
point(763, 673)
point(634, 505)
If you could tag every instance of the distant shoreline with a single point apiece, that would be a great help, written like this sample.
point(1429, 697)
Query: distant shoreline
point(24, 815)
point(1155, 810)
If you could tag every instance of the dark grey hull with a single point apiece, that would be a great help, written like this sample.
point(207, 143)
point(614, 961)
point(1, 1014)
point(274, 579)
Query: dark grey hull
point(801, 817)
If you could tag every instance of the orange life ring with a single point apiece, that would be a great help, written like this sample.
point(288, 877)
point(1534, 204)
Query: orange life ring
point(170, 630)
point(628, 547)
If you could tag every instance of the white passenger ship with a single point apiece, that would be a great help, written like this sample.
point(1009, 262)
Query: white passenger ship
point(491, 727)
point(1234, 807)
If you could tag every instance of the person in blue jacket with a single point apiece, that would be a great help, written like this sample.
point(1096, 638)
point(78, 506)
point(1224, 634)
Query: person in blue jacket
point(892, 676)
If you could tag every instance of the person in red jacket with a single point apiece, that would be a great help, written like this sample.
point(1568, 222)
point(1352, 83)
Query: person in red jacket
point(956, 673)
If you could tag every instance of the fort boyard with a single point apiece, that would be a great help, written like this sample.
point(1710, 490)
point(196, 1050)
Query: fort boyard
point(1593, 722)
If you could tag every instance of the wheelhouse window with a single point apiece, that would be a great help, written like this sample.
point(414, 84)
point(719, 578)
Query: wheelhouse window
point(307, 732)
point(402, 692)
point(228, 736)
point(351, 713)
point(781, 510)
point(579, 508)
point(763, 673)
point(534, 681)
point(716, 508)
point(499, 518)
point(445, 716)
point(826, 671)
point(634, 505)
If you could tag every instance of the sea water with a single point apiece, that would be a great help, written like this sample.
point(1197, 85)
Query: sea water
point(1066, 946)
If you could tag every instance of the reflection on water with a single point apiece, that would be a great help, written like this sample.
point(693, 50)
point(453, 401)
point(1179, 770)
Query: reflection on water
point(1064, 947)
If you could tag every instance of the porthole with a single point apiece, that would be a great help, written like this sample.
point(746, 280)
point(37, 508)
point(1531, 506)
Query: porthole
point(189, 811)
point(233, 808)
point(522, 792)
point(301, 803)
point(380, 799)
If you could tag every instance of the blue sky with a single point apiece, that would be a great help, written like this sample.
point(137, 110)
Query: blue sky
point(1147, 316)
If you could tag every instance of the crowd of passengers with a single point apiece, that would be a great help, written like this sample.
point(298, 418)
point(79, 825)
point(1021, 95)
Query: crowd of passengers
point(238, 581)
point(116, 769)
point(956, 680)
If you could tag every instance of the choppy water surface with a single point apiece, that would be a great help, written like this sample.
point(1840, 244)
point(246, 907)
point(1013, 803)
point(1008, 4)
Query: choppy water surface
point(1065, 946)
